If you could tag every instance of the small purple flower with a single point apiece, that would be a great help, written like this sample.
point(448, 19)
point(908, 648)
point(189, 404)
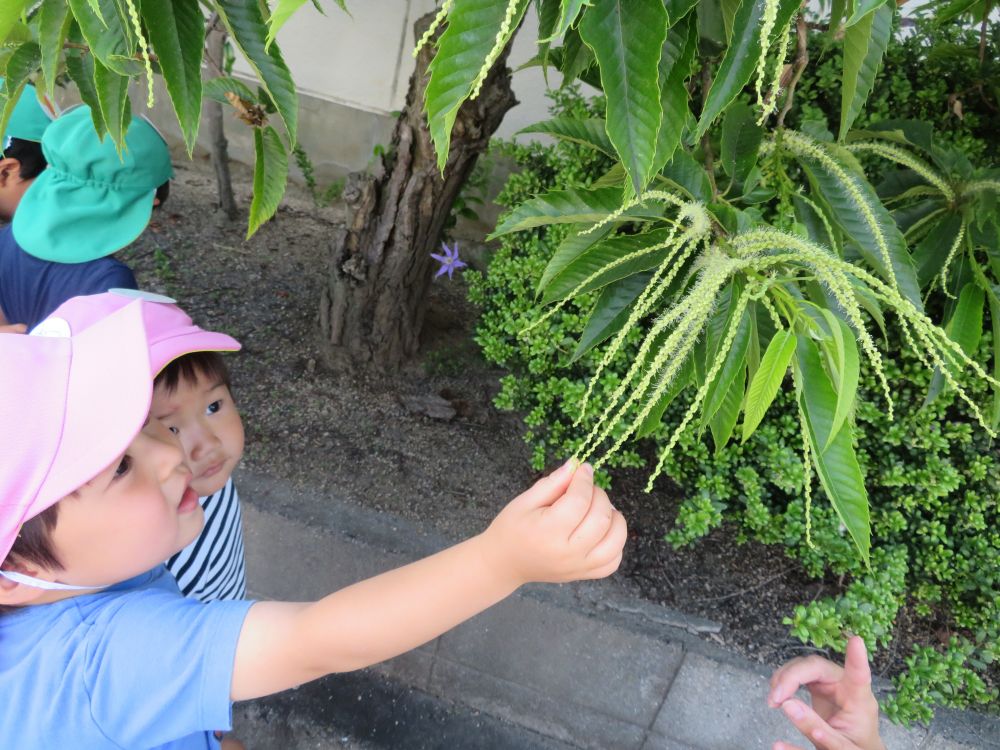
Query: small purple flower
point(449, 261)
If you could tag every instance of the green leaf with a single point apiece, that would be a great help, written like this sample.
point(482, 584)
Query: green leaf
point(598, 258)
point(688, 175)
point(462, 47)
point(681, 380)
point(767, 380)
point(678, 9)
point(53, 27)
point(862, 8)
point(585, 131)
point(217, 88)
point(112, 97)
point(177, 34)
point(81, 71)
point(733, 364)
point(627, 38)
point(108, 35)
point(574, 244)
point(741, 57)
point(932, 251)
point(279, 16)
point(248, 30)
point(849, 201)
point(994, 303)
point(864, 45)
point(270, 175)
point(569, 10)
point(847, 369)
point(22, 63)
point(548, 16)
point(675, 68)
point(610, 312)
point(10, 16)
point(741, 138)
point(572, 207)
point(966, 325)
point(835, 460)
point(724, 421)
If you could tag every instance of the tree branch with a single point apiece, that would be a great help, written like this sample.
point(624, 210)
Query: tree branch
point(801, 61)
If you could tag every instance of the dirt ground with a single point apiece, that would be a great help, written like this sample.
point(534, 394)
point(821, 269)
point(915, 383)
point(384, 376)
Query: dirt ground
point(355, 436)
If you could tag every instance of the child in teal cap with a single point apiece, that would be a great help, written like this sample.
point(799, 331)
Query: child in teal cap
point(88, 203)
point(21, 144)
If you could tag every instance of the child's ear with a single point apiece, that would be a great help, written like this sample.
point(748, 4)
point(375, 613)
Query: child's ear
point(14, 594)
point(10, 170)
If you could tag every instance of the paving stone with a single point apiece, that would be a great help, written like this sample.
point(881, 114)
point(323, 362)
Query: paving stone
point(568, 656)
point(659, 742)
point(718, 706)
point(896, 737)
point(548, 715)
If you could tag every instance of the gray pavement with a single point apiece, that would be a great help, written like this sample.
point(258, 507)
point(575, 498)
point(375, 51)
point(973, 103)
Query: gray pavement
point(576, 666)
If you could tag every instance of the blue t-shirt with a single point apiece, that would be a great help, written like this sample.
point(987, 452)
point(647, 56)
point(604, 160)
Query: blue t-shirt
point(30, 288)
point(132, 667)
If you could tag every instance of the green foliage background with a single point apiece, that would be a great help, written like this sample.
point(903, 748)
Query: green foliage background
point(931, 474)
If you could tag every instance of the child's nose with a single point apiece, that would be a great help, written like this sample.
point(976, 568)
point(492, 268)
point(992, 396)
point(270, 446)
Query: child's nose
point(166, 447)
point(203, 444)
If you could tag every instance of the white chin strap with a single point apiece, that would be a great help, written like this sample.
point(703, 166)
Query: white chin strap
point(38, 583)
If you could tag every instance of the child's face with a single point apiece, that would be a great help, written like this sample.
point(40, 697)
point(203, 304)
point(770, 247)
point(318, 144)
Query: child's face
point(202, 414)
point(134, 515)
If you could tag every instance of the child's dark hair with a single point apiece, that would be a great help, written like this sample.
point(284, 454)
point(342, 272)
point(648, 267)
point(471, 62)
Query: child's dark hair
point(208, 365)
point(33, 545)
point(30, 156)
point(162, 193)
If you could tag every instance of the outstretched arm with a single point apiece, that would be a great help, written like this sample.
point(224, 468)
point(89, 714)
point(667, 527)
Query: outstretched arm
point(561, 529)
point(844, 712)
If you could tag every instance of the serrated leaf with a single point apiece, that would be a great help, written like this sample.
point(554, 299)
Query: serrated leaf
point(279, 16)
point(22, 63)
point(248, 31)
point(864, 46)
point(675, 68)
point(585, 131)
point(81, 71)
point(568, 12)
point(741, 56)
point(569, 250)
point(965, 327)
point(681, 380)
point(688, 175)
point(994, 303)
point(598, 259)
point(726, 416)
point(678, 9)
point(112, 97)
point(849, 202)
point(843, 351)
point(627, 38)
point(176, 32)
point(461, 49)
point(610, 312)
point(741, 139)
point(53, 27)
point(932, 251)
point(270, 176)
point(862, 8)
point(108, 35)
point(836, 463)
point(732, 365)
point(548, 15)
point(10, 16)
point(217, 88)
point(767, 380)
point(573, 206)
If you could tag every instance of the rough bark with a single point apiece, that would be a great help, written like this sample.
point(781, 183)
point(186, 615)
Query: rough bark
point(218, 145)
point(372, 309)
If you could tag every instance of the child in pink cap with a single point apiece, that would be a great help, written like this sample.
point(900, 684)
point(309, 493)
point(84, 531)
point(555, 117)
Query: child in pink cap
point(192, 398)
point(98, 649)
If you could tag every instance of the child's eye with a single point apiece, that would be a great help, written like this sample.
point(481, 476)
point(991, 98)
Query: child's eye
point(123, 466)
point(174, 430)
point(214, 407)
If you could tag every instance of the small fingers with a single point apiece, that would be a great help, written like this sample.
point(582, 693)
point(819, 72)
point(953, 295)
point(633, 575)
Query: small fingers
point(811, 724)
point(801, 673)
point(609, 549)
point(571, 508)
point(595, 524)
point(784, 746)
point(547, 490)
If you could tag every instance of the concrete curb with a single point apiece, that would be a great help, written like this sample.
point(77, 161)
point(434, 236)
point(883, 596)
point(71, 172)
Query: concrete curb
point(583, 664)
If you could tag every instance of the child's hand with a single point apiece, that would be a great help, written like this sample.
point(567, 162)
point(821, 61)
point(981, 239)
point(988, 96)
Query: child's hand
point(13, 328)
point(562, 529)
point(844, 713)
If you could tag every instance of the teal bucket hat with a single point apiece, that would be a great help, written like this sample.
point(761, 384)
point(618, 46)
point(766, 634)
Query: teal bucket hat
point(91, 201)
point(30, 117)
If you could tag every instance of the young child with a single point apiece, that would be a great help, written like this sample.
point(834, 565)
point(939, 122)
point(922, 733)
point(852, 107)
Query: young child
point(87, 204)
point(21, 144)
point(844, 712)
point(94, 494)
point(192, 398)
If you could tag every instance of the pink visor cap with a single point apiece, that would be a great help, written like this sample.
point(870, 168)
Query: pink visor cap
point(72, 402)
point(169, 330)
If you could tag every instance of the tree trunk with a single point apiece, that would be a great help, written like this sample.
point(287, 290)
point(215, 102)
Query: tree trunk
point(372, 309)
point(218, 146)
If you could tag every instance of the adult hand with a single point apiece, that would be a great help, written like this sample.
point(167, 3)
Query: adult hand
point(14, 328)
point(562, 529)
point(844, 712)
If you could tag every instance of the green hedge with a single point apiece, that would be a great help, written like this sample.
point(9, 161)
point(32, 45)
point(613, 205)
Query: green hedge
point(932, 477)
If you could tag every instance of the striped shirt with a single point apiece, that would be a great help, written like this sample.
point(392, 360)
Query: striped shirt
point(212, 566)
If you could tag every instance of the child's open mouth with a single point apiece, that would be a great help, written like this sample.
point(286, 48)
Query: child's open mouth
point(189, 501)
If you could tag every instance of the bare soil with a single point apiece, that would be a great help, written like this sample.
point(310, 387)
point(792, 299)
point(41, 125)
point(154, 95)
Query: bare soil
point(355, 437)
